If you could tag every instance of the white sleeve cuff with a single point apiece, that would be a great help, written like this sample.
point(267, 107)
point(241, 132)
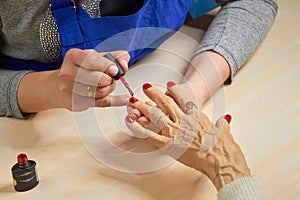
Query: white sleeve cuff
point(244, 188)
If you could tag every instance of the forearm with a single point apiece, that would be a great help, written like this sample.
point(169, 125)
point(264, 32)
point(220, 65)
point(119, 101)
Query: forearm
point(38, 91)
point(238, 29)
point(206, 73)
point(9, 82)
point(228, 43)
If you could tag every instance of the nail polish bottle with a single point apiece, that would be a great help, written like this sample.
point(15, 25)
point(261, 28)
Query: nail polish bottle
point(24, 174)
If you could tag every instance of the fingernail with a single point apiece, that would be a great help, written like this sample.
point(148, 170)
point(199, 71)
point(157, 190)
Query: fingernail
point(228, 118)
point(143, 124)
point(146, 86)
point(133, 100)
point(124, 63)
point(133, 116)
point(113, 70)
point(170, 84)
point(129, 119)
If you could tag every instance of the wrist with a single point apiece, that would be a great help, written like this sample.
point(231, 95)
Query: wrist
point(206, 73)
point(37, 91)
point(225, 175)
point(223, 169)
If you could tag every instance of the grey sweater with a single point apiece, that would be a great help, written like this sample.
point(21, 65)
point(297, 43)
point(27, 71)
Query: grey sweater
point(235, 33)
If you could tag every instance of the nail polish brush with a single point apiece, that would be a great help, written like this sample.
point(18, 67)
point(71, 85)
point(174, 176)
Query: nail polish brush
point(120, 74)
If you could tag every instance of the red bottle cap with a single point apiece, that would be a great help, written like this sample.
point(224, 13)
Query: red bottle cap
point(22, 159)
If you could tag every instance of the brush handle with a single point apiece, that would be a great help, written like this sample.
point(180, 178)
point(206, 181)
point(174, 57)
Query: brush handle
point(121, 71)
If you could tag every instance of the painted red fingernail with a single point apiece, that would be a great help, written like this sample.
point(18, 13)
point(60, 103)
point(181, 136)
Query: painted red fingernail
point(133, 100)
point(170, 84)
point(129, 119)
point(133, 116)
point(228, 118)
point(146, 86)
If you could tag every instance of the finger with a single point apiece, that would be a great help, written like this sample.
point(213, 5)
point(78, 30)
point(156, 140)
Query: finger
point(120, 59)
point(184, 96)
point(92, 60)
point(163, 101)
point(156, 115)
point(172, 93)
point(213, 134)
point(147, 135)
point(123, 57)
point(95, 78)
point(143, 108)
point(138, 116)
point(119, 100)
point(159, 118)
point(143, 121)
point(104, 91)
point(133, 111)
point(150, 103)
point(223, 122)
point(92, 91)
point(80, 103)
point(84, 76)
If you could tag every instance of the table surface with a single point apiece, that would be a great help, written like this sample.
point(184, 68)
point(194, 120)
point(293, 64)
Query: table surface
point(90, 155)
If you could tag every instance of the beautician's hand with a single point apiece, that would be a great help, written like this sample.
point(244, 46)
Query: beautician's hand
point(86, 74)
point(84, 80)
point(189, 137)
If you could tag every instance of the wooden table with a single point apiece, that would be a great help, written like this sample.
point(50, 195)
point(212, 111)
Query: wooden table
point(263, 100)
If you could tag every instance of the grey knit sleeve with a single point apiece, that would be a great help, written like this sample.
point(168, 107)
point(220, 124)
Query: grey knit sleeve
point(244, 188)
point(9, 82)
point(238, 29)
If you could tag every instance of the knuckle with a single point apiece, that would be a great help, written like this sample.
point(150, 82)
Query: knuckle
point(63, 88)
point(99, 93)
point(91, 60)
point(104, 102)
point(122, 53)
point(166, 100)
point(72, 53)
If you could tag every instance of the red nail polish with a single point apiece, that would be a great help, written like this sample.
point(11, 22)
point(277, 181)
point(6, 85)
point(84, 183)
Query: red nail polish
point(228, 118)
point(170, 84)
point(133, 116)
point(24, 174)
point(132, 100)
point(129, 119)
point(22, 159)
point(146, 86)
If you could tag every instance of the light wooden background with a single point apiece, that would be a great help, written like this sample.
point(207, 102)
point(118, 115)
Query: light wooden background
point(263, 100)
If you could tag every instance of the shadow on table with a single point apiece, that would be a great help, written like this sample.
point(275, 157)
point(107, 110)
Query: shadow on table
point(22, 137)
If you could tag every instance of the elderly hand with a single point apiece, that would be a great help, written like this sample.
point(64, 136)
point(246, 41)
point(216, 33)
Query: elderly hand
point(188, 136)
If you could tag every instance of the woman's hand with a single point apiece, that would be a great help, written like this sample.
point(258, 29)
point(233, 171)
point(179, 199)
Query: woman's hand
point(205, 74)
point(86, 75)
point(189, 137)
point(84, 80)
